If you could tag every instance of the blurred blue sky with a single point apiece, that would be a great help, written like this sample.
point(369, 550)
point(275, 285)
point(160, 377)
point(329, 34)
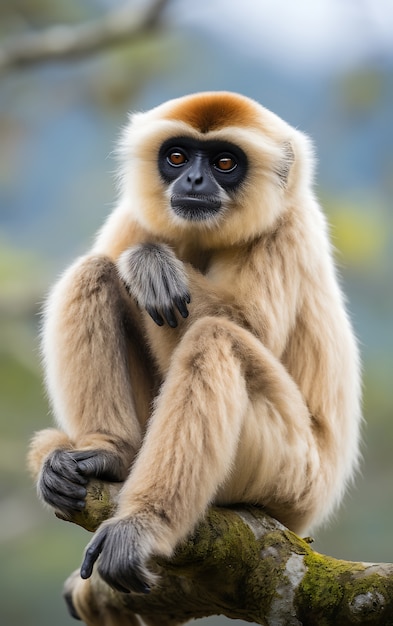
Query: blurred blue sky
point(306, 35)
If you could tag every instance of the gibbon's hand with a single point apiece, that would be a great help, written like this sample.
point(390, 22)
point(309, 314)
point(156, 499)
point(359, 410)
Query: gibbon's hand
point(118, 546)
point(65, 474)
point(155, 277)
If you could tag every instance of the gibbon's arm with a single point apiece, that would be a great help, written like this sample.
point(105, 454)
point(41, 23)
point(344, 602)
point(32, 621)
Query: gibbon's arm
point(93, 350)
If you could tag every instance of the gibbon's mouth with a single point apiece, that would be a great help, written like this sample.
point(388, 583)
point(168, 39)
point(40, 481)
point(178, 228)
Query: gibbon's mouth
point(197, 207)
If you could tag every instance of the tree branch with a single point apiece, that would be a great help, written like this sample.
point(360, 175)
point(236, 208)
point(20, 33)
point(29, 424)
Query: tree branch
point(63, 41)
point(245, 565)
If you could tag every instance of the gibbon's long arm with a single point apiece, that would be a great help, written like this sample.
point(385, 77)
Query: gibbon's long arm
point(89, 320)
point(100, 379)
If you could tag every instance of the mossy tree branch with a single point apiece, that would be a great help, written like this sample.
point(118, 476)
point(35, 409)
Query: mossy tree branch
point(245, 565)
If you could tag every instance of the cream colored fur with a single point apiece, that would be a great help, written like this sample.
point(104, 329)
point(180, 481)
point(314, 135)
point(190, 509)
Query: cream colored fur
point(257, 393)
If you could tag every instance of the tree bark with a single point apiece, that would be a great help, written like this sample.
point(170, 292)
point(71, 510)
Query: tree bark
point(245, 565)
point(62, 42)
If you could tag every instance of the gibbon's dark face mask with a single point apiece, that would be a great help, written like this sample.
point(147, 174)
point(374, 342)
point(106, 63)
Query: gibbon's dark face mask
point(200, 174)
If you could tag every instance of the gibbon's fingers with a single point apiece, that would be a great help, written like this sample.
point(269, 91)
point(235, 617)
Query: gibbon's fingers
point(92, 552)
point(170, 317)
point(156, 279)
point(155, 316)
point(99, 464)
point(181, 305)
point(168, 314)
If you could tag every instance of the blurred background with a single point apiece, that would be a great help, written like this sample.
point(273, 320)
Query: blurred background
point(326, 66)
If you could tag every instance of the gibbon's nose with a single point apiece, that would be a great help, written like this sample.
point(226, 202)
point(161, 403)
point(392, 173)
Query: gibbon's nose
point(196, 181)
point(195, 177)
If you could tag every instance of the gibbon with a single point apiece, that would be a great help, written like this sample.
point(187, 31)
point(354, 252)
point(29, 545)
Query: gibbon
point(201, 351)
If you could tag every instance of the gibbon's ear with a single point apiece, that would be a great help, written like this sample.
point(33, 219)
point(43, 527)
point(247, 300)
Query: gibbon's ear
point(288, 158)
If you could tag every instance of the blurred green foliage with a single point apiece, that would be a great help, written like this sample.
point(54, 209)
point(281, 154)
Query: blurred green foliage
point(360, 236)
point(361, 90)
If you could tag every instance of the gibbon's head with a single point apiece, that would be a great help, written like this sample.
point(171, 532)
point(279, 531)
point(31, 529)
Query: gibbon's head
point(216, 168)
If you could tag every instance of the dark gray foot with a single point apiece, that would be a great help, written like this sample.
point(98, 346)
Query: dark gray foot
point(70, 605)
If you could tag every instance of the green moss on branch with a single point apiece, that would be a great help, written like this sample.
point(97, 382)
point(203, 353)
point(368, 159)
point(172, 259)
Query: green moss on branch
point(243, 564)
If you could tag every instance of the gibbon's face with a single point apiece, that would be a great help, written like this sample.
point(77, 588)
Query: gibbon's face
point(212, 168)
point(200, 175)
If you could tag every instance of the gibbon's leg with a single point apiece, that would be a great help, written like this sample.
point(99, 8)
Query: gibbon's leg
point(160, 621)
point(100, 381)
point(83, 605)
point(219, 374)
point(96, 608)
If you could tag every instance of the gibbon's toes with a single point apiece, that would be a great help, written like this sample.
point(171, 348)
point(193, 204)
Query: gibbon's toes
point(70, 605)
point(128, 581)
point(92, 552)
point(99, 464)
point(64, 491)
point(127, 575)
point(63, 464)
point(116, 547)
point(53, 486)
point(63, 504)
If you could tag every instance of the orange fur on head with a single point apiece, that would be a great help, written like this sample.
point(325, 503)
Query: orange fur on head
point(207, 112)
point(278, 156)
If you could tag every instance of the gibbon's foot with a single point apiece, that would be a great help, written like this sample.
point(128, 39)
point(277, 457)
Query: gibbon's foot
point(122, 549)
point(65, 475)
point(155, 277)
point(70, 605)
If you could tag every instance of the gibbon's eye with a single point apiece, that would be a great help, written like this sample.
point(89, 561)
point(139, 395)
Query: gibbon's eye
point(176, 158)
point(225, 163)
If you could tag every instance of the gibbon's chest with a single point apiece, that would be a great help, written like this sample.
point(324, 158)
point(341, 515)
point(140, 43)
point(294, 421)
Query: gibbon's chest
point(199, 258)
point(219, 266)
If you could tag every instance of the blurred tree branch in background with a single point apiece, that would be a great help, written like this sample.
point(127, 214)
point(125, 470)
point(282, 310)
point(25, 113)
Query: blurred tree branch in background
point(61, 42)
